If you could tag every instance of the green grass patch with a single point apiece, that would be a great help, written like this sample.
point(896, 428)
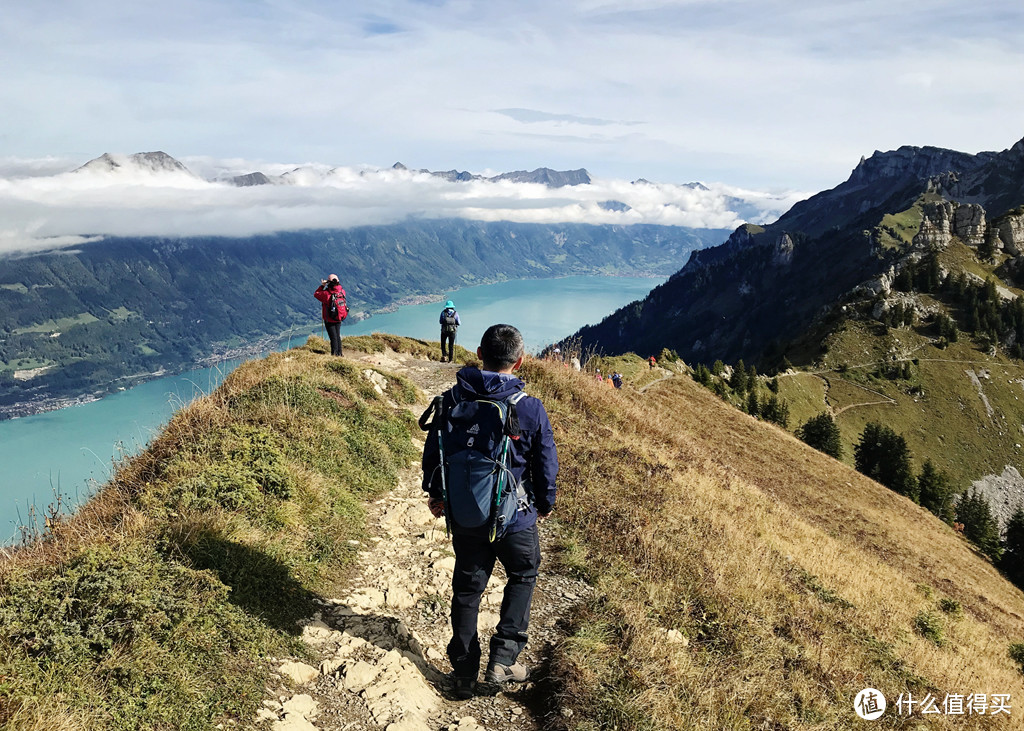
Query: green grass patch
point(805, 394)
point(26, 364)
point(60, 324)
point(930, 627)
point(897, 230)
point(1017, 655)
point(120, 313)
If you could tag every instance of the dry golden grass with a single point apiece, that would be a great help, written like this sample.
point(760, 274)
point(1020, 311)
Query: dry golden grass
point(794, 580)
point(155, 604)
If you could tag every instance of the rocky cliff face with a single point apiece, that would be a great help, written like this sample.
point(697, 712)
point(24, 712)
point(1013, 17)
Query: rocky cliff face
point(943, 220)
point(1010, 232)
point(767, 286)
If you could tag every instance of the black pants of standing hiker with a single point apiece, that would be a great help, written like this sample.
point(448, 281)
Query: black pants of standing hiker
point(334, 333)
point(450, 354)
point(519, 553)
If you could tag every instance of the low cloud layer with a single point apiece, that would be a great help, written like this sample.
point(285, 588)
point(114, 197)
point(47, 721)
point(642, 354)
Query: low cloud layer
point(40, 210)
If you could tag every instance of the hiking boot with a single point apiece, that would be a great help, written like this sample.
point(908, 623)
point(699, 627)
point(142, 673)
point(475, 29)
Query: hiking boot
point(463, 688)
point(500, 674)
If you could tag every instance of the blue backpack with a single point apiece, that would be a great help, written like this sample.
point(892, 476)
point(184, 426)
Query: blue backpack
point(481, 495)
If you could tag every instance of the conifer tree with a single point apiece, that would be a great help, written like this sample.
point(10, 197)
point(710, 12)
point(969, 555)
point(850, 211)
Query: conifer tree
point(883, 455)
point(822, 433)
point(980, 527)
point(1013, 548)
point(776, 411)
point(738, 382)
point(753, 407)
point(936, 491)
point(987, 248)
point(932, 275)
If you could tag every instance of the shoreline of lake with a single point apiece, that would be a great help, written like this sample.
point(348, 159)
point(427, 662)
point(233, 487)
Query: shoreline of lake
point(261, 345)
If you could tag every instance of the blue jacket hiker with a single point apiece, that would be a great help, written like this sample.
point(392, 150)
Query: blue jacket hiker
point(532, 461)
point(450, 322)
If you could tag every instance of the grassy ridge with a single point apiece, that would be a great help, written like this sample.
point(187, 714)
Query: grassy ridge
point(155, 606)
point(747, 581)
point(743, 580)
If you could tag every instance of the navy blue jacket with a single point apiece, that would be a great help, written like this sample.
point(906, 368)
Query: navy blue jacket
point(534, 459)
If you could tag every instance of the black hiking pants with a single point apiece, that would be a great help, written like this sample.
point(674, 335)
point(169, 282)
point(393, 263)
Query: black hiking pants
point(448, 337)
point(334, 333)
point(519, 553)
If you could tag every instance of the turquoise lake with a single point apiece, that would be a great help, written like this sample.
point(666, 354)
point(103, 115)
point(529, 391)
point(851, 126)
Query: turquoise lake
point(74, 449)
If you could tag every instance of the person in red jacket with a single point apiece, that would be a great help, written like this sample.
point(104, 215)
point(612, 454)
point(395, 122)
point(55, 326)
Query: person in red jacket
point(332, 302)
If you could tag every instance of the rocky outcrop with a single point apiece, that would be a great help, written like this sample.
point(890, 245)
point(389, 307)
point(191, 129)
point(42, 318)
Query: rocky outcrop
point(936, 226)
point(782, 255)
point(1005, 493)
point(909, 302)
point(880, 285)
point(943, 220)
point(1010, 231)
point(250, 179)
point(969, 224)
point(913, 162)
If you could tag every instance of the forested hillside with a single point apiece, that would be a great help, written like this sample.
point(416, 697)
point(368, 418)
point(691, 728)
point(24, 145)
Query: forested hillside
point(115, 311)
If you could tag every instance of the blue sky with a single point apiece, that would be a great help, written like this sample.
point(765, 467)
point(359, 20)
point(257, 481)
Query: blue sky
point(769, 94)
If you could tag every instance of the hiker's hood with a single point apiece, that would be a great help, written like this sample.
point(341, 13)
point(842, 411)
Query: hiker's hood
point(487, 384)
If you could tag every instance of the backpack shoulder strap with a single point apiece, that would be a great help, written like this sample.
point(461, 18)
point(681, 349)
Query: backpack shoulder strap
point(512, 429)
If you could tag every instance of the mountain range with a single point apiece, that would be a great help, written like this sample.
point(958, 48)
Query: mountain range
point(766, 286)
point(154, 194)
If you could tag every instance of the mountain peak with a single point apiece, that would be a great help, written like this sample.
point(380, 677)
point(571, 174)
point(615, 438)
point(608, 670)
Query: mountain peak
point(153, 162)
point(547, 176)
point(912, 162)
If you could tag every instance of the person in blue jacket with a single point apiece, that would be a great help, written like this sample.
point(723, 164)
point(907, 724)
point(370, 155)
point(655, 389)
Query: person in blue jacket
point(534, 461)
point(449, 326)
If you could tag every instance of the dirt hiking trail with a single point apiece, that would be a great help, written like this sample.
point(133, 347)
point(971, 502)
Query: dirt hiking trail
point(379, 646)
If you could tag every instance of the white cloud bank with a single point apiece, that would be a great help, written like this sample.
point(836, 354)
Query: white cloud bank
point(41, 210)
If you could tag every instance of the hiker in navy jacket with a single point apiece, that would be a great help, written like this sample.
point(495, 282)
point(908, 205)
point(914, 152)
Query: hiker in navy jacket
point(450, 322)
point(534, 461)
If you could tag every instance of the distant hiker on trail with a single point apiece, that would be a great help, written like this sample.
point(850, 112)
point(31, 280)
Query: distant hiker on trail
point(617, 379)
point(487, 419)
point(332, 301)
point(576, 364)
point(653, 361)
point(449, 325)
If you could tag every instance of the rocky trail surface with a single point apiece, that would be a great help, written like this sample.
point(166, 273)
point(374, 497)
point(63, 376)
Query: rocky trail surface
point(379, 646)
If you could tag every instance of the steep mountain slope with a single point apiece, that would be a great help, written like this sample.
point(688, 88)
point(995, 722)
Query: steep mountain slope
point(739, 578)
point(765, 287)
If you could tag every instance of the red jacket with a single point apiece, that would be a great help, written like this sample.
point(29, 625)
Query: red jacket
point(323, 293)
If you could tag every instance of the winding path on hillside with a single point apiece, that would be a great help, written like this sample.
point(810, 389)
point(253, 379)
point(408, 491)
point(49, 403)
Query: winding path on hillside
point(664, 377)
point(378, 648)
